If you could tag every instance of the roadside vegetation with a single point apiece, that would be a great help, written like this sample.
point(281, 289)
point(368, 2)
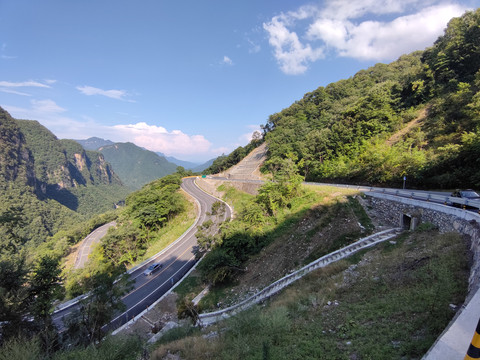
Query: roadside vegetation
point(282, 228)
point(31, 282)
point(389, 302)
point(259, 221)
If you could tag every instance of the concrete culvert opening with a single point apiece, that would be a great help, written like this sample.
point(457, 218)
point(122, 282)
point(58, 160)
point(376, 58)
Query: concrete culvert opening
point(406, 221)
point(409, 222)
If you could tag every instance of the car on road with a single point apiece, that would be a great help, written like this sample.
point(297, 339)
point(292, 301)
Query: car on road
point(152, 268)
point(468, 194)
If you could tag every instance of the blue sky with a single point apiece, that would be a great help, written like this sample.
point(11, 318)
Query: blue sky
point(190, 78)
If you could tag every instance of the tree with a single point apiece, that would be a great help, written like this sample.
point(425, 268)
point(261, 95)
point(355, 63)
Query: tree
point(45, 287)
point(13, 297)
point(286, 186)
point(97, 310)
point(13, 276)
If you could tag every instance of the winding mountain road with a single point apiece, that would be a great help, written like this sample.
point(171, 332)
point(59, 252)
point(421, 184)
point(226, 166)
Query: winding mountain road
point(177, 260)
point(89, 242)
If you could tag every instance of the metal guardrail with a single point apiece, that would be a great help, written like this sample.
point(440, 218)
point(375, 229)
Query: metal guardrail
point(213, 317)
point(418, 195)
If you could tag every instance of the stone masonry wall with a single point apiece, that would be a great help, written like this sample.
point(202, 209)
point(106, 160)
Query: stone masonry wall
point(393, 212)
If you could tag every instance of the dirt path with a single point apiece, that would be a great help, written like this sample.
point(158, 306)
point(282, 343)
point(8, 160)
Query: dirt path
point(415, 122)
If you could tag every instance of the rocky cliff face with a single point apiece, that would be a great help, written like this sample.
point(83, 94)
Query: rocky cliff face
point(16, 160)
point(63, 164)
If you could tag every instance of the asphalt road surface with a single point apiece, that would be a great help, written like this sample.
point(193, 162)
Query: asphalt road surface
point(87, 243)
point(177, 260)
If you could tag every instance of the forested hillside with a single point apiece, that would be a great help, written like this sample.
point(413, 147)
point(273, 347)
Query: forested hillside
point(136, 166)
point(69, 174)
point(351, 130)
point(47, 184)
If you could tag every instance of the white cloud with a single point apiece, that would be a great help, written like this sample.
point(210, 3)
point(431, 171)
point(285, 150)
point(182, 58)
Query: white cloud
point(113, 94)
point(39, 109)
point(3, 48)
point(341, 9)
point(375, 40)
point(292, 56)
point(11, 91)
point(227, 61)
point(157, 138)
point(253, 47)
point(357, 29)
point(29, 83)
point(46, 106)
point(50, 115)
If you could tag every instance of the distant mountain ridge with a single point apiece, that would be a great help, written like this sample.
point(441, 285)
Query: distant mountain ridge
point(136, 166)
point(186, 164)
point(94, 143)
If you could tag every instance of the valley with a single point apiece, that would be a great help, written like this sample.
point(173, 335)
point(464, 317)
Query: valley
point(250, 220)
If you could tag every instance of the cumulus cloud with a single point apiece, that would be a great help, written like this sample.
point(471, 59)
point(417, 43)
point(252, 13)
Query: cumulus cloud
point(113, 94)
point(292, 55)
point(363, 29)
point(157, 138)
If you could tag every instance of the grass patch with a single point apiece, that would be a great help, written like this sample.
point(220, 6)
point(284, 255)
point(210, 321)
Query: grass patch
point(178, 333)
point(190, 286)
point(360, 213)
point(215, 296)
point(392, 304)
point(236, 198)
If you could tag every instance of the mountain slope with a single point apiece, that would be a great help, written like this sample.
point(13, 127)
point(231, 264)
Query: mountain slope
point(341, 132)
point(203, 166)
point(136, 166)
point(26, 220)
point(185, 164)
point(16, 161)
